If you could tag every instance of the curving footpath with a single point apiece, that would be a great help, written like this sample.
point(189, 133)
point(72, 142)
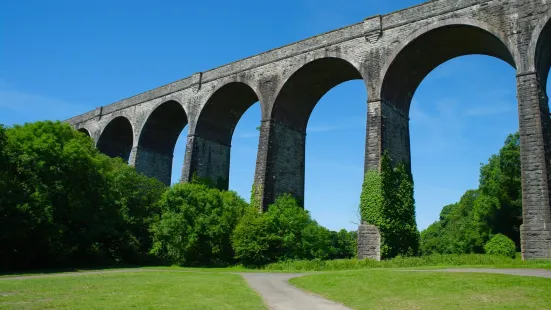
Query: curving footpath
point(278, 294)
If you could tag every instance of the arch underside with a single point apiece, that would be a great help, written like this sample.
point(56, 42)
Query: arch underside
point(84, 131)
point(117, 138)
point(410, 67)
point(223, 111)
point(543, 55)
point(158, 139)
point(302, 91)
point(430, 50)
point(289, 118)
point(211, 143)
point(163, 127)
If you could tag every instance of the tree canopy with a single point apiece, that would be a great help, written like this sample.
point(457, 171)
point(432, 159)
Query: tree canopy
point(494, 208)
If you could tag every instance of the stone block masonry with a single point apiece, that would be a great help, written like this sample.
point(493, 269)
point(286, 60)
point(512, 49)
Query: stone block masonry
point(391, 53)
point(369, 242)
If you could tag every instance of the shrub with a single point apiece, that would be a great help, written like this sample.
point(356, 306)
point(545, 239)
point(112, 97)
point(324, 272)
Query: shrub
point(286, 232)
point(500, 245)
point(262, 238)
point(195, 225)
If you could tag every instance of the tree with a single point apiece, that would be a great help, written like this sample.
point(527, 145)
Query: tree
point(195, 225)
point(286, 232)
point(54, 216)
point(136, 197)
point(494, 208)
point(274, 235)
point(63, 204)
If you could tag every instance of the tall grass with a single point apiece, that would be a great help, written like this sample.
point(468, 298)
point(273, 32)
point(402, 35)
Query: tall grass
point(437, 260)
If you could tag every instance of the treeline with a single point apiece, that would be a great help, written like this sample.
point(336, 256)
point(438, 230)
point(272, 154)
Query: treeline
point(64, 204)
point(485, 218)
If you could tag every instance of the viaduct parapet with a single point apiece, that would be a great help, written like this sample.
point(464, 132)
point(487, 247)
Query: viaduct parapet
point(391, 53)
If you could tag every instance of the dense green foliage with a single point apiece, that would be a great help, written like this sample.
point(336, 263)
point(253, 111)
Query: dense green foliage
point(500, 245)
point(63, 203)
point(196, 224)
point(387, 202)
point(286, 231)
point(494, 208)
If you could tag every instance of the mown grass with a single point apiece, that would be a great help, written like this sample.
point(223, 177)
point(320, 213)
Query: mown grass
point(430, 261)
point(385, 289)
point(125, 290)
point(424, 262)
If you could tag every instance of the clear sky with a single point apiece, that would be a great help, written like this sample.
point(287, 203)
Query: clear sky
point(62, 58)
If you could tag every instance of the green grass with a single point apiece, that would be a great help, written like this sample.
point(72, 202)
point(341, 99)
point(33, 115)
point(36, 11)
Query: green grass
point(142, 290)
point(431, 261)
point(424, 262)
point(384, 289)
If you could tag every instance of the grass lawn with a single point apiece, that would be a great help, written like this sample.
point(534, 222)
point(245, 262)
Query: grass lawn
point(137, 290)
point(385, 289)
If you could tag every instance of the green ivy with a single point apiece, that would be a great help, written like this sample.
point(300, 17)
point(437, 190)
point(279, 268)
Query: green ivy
point(255, 200)
point(387, 202)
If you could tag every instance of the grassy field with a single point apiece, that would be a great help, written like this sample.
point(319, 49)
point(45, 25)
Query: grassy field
point(384, 289)
point(423, 262)
point(137, 290)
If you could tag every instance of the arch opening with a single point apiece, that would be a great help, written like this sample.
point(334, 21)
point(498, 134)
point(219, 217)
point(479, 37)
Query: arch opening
point(431, 49)
point(117, 138)
point(461, 115)
point(215, 128)
point(155, 152)
point(84, 131)
point(244, 148)
point(178, 159)
point(223, 110)
point(302, 91)
point(543, 68)
point(289, 120)
point(335, 155)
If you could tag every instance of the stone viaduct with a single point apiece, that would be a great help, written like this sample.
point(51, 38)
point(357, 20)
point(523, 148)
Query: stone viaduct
point(391, 53)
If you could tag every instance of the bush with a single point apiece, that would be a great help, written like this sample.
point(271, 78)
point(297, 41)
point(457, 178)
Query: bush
point(195, 225)
point(262, 238)
point(500, 245)
point(286, 232)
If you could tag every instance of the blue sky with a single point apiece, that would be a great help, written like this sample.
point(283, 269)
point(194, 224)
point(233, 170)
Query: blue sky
point(62, 58)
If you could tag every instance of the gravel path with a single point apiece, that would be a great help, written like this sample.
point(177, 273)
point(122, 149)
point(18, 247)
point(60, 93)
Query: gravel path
point(278, 294)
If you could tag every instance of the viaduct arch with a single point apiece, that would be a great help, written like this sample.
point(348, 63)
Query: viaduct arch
point(391, 53)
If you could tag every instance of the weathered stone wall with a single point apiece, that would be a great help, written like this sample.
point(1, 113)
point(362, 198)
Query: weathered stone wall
point(395, 135)
point(209, 160)
point(369, 242)
point(152, 163)
point(288, 161)
point(392, 53)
